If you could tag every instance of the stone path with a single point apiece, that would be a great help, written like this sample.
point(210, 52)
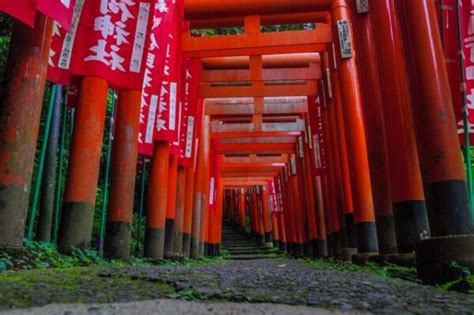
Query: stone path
point(223, 288)
point(288, 281)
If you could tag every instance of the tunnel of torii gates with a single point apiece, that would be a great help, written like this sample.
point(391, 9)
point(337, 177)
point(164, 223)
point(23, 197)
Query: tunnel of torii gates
point(334, 140)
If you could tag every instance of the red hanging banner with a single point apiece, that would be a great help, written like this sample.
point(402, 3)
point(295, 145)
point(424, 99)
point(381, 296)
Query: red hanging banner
point(273, 197)
point(164, 16)
point(167, 120)
point(59, 10)
point(279, 192)
point(62, 44)
point(22, 10)
point(214, 173)
point(316, 133)
point(110, 41)
point(192, 73)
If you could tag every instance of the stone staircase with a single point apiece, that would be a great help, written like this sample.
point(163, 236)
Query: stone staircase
point(241, 246)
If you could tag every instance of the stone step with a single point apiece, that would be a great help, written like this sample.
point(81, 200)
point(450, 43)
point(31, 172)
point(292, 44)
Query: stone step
point(246, 257)
point(248, 252)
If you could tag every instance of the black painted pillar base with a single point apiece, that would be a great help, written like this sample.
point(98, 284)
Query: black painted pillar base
point(117, 240)
point(268, 237)
point(260, 238)
point(276, 243)
point(308, 248)
point(411, 224)
point(154, 243)
point(299, 250)
point(321, 248)
point(386, 235)
point(366, 237)
point(330, 246)
point(448, 206)
point(195, 248)
point(336, 243)
point(186, 244)
point(76, 226)
point(169, 237)
point(350, 231)
point(283, 247)
point(205, 249)
point(435, 257)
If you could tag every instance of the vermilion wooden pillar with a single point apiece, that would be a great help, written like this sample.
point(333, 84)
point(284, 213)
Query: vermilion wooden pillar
point(180, 205)
point(340, 238)
point(305, 200)
point(438, 147)
point(334, 193)
point(197, 203)
point(408, 200)
point(311, 209)
point(84, 162)
point(275, 230)
point(335, 116)
point(171, 204)
point(188, 209)
point(259, 215)
point(215, 222)
point(322, 248)
point(157, 198)
point(362, 188)
point(288, 222)
point(298, 215)
point(242, 208)
point(20, 112)
point(266, 215)
point(124, 167)
point(376, 136)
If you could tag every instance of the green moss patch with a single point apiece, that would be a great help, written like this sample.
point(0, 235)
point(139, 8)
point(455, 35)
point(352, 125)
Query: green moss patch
point(74, 285)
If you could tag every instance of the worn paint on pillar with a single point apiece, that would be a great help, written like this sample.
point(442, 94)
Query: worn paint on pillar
point(157, 199)
point(375, 127)
point(409, 208)
point(84, 163)
point(171, 204)
point(362, 187)
point(20, 114)
point(124, 168)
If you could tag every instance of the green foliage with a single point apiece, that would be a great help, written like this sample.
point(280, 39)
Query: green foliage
point(42, 255)
point(385, 271)
point(464, 283)
point(189, 295)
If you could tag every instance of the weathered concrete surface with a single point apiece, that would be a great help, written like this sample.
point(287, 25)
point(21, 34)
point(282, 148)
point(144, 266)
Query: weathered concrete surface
point(295, 282)
point(167, 306)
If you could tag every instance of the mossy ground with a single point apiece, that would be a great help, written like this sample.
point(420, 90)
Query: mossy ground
point(74, 285)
